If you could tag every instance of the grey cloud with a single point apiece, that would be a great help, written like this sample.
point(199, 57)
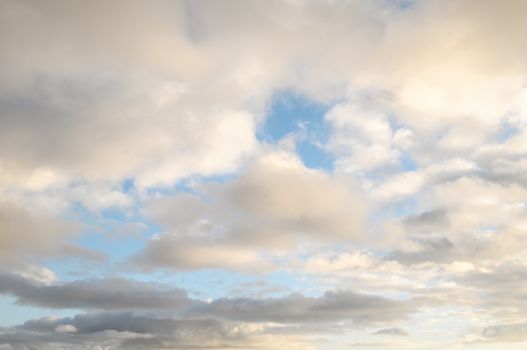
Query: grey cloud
point(500, 290)
point(435, 250)
point(296, 308)
point(123, 331)
point(433, 220)
point(507, 275)
point(119, 322)
point(128, 330)
point(28, 236)
point(515, 332)
point(109, 294)
point(391, 331)
point(504, 162)
point(466, 246)
point(121, 294)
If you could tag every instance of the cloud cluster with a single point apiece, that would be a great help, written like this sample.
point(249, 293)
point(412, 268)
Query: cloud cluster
point(129, 331)
point(273, 206)
point(153, 316)
point(154, 113)
point(28, 236)
point(101, 294)
point(124, 294)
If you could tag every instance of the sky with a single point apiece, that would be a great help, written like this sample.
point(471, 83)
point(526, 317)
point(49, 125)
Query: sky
point(243, 174)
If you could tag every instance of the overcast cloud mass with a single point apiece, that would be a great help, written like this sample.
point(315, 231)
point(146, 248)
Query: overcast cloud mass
point(293, 174)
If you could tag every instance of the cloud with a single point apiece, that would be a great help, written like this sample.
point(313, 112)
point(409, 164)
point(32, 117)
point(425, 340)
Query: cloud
point(427, 221)
point(225, 322)
point(123, 294)
point(391, 331)
point(296, 308)
point(501, 292)
point(480, 221)
point(516, 332)
point(436, 250)
point(363, 139)
point(127, 119)
point(129, 91)
point(28, 236)
point(130, 331)
point(274, 205)
point(107, 294)
point(110, 106)
point(101, 124)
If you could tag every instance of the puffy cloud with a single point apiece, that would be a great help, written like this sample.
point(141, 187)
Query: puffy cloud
point(467, 218)
point(101, 124)
point(273, 206)
point(27, 236)
point(206, 59)
point(363, 139)
point(128, 98)
point(430, 118)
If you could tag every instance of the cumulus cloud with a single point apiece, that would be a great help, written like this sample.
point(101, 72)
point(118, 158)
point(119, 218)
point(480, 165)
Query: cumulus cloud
point(433, 91)
point(27, 236)
point(363, 138)
point(157, 144)
point(108, 107)
point(275, 204)
point(91, 107)
point(468, 218)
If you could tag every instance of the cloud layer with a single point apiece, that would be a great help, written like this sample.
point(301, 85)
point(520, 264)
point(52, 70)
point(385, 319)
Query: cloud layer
point(142, 188)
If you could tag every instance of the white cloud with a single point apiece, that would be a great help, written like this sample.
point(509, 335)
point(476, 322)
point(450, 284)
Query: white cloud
point(363, 139)
point(427, 115)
